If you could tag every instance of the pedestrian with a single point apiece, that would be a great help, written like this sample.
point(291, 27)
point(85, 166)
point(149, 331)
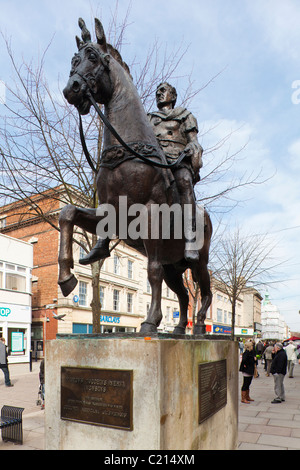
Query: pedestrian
point(241, 346)
point(247, 368)
point(259, 349)
point(268, 357)
point(278, 370)
point(291, 358)
point(42, 383)
point(3, 362)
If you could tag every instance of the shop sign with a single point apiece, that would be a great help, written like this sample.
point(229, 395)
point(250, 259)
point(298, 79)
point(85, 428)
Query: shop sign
point(109, 319)
point(244, 331)
point(221, 329)
point(4, 311)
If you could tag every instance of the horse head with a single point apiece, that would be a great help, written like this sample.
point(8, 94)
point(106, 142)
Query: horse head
point(90, 70)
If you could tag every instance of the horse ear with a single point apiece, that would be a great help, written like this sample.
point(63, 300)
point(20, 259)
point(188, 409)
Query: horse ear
point(85, 34)
point(100, 35)
point(79, 42)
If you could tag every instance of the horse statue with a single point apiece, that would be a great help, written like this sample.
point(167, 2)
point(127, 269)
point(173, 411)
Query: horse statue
point(137, 169)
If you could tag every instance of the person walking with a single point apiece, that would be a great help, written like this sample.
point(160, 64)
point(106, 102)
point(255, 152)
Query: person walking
point(268, 357)
point(278, 370)
point(3, 363)
point(291, 358)
point(247, 368)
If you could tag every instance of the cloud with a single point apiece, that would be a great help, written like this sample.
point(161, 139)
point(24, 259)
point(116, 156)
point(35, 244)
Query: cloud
point(279, 22)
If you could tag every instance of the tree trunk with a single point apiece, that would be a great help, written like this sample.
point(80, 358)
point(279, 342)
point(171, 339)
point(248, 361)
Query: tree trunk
point(95, 303)
point(233, 305)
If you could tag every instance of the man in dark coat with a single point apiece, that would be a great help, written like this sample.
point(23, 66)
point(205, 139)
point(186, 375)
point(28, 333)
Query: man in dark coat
point(3, 363)
point(278, 370)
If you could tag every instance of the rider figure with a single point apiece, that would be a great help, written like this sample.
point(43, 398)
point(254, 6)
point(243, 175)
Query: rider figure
point(176, 130)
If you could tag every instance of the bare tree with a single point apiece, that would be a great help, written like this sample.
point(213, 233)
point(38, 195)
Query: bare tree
point(242, 261)
point(40, 147)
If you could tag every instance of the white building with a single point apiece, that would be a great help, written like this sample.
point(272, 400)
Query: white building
point(273, 323)
point(16, 263)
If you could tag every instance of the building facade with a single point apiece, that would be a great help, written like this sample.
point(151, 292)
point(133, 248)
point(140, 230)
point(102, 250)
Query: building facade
point(16, 263)
point(247, 314)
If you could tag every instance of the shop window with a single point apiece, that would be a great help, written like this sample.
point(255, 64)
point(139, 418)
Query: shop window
point(82, 328)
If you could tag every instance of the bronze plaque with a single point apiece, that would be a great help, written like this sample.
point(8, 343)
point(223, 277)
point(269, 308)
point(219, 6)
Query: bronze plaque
point(97, 396)
point(212, 388)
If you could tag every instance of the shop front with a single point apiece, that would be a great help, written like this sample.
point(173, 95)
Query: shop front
point(15, 327)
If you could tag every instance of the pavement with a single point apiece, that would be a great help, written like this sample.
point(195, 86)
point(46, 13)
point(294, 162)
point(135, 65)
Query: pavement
point(24, 394)
point(267, 426)
point(262, 425)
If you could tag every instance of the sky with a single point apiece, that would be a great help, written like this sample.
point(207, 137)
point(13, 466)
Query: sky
point(244, 56)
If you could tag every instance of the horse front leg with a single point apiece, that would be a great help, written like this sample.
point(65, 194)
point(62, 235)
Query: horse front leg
point(70, 216)
point(154, 316)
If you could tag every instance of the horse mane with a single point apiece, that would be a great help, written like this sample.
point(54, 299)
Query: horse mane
point(117, 56)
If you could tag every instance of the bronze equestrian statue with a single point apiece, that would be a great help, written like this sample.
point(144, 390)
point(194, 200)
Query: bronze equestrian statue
point(134, 166)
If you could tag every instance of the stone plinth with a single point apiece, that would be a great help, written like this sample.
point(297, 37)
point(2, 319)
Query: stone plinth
point(165, 393)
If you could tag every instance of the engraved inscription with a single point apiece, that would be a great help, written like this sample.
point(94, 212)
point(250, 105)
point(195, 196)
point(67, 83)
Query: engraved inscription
point(97, 396)
point(212, 392)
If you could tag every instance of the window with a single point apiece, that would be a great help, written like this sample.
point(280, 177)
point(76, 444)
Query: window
point(148, 287)
point(116, 264)
point(12, 277)
point(130, 269)
point(102, 296)
point(116, 300)
point(168, 315)
point(2, 222)
point(82, 328)
point(129, 302)
point(82, 251)
point(82, 294)
point(219, 315)
point(15, 282)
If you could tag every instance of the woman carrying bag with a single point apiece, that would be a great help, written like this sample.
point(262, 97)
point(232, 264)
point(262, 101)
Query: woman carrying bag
point(247, 368)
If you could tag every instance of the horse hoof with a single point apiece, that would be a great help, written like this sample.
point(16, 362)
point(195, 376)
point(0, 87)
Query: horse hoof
point(147, 328)
point(68, 285)
point(199, 330)
point(179, 330)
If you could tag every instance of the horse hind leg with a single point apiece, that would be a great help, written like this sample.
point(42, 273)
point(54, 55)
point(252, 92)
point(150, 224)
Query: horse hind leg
point(154, 317)
point(201, 276)
point(174, 281)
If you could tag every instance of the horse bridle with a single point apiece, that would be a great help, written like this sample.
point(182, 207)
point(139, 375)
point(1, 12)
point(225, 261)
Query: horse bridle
point(146, 160)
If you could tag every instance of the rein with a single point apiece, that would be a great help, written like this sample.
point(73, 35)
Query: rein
point(120, 140)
